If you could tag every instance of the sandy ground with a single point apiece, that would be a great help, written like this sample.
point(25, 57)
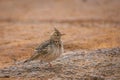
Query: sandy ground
point(88, 25)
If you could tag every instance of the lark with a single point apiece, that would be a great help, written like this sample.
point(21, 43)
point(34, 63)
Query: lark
point(49, 50)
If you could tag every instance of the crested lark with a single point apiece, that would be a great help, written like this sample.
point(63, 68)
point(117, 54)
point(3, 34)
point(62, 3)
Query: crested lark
point(50, 49)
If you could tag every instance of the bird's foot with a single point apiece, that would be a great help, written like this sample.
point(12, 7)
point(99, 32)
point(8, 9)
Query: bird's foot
point(50, 65)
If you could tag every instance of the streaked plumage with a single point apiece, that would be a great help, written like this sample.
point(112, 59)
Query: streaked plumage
point(50, 49)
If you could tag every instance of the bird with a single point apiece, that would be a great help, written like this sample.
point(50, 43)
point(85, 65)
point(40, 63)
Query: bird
point(50, 49)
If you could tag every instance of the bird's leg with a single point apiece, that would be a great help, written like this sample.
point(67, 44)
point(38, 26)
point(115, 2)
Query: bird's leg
point(41, 61)
point(50, 64)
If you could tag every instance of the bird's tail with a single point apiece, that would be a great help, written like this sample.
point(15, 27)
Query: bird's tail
point(28, 60)
point(33, 57)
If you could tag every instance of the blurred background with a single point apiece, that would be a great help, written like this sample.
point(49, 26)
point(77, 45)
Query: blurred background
point(88, 25)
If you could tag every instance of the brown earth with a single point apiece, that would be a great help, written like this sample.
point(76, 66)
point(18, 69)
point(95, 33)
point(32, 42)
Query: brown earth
point(88, 25)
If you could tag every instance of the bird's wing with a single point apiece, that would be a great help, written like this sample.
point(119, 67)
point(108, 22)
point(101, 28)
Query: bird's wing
point(40, 50)
point(43, 48)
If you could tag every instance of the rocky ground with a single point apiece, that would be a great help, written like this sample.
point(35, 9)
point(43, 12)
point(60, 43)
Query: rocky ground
point(100, 64)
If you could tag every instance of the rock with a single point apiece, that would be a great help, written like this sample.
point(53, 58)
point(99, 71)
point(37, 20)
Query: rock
point(74, 65)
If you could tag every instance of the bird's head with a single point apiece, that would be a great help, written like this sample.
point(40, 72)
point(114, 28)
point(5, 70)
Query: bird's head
point(56, 35)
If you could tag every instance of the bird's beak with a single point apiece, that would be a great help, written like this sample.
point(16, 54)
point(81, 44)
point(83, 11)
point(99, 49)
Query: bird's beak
point(63, 34)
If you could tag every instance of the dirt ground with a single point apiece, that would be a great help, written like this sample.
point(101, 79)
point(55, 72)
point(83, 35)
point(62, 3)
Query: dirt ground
point(88, 25)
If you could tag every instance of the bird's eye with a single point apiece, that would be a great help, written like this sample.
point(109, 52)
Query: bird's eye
point(56, 34)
